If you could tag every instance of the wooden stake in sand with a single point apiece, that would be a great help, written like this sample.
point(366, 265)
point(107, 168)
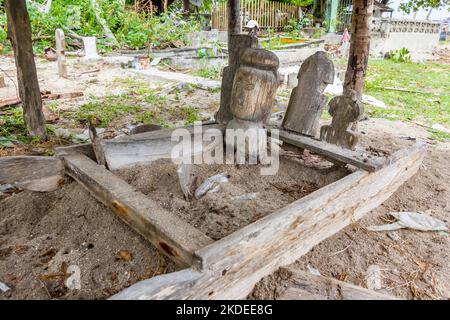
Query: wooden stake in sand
point(61, 53)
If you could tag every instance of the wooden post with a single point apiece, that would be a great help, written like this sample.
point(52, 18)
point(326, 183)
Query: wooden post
point(234, 18)
point(186, 8)
point(61, 52)
point(359, 47)
point(20, 35)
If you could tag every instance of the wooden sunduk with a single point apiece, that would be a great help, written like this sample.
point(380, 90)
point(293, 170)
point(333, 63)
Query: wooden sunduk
point(229, 268)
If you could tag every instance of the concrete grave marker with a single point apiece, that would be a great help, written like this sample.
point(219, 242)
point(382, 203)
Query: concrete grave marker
point(90, 48)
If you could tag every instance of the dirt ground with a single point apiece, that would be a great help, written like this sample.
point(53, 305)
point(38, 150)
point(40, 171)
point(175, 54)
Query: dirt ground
point(43, 235)
point(219, 214)
point(412, 264)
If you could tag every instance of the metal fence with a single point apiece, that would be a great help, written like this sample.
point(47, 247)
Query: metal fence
point(268, 14)
point(344, 15)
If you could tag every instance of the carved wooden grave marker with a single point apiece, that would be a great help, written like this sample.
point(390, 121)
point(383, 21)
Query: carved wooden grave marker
point(254, 90)
point(307, 98)
point(345, 110)
point(238, 43)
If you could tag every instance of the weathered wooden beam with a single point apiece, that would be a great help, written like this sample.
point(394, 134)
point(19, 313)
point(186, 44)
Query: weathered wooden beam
point(82, 148)
point(305, 286)
point(32, 173)
point(356, 158)
point(175, 238)
point(232, 266)
point(149, 146)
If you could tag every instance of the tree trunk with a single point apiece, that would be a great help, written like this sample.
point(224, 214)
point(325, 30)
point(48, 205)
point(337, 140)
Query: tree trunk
point(186, 8)
point(234, 18)
point(19, 32)
point(359, 47)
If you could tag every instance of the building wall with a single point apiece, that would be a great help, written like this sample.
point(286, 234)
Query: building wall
point(394, 34)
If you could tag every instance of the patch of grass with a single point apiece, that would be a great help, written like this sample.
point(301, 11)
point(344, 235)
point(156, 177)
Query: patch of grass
point(152, 117)
point(13, 129)
point(428, 99)
point(208, 72)
point(440, 135)
point(106, 110)
point(190, 114)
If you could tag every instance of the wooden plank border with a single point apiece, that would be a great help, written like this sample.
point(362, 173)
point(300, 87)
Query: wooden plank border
point(358, 159)
point(229, 268)
point(174, 237)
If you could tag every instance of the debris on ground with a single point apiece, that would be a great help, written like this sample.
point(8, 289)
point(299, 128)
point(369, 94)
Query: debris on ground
point(411, 220)
point(313, 270)
point(184, 171)
point(247, 196)
point(211, 185)
point(3, 287)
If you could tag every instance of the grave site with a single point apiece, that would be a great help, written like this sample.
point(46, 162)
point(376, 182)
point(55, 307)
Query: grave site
point(325, 204)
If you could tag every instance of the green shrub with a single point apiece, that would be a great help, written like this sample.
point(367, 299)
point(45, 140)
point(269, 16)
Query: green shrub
point(402, 55)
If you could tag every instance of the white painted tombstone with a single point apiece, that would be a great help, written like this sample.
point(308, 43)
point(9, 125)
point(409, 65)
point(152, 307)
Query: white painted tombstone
point(90, 48)
point(61, 53)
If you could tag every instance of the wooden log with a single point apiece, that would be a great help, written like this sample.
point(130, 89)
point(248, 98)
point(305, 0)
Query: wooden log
point(358, 159)
point(32, 173)
point(174, 237)
point(45, 96)
point(301, 285)
point(19, 31)
point(83, 148)
point(231, 266)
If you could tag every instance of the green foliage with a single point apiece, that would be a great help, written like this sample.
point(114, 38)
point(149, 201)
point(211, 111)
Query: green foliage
point(131, 29)
point(208, 72)
point(13, 130)
point(414, 5)
point(401, 55)
point(301, 3)
point(166, 30)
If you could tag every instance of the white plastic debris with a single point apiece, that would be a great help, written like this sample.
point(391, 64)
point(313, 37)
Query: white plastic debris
point(373, 277)
point(211, 185)
point(440, 127)
point(4, 287)
point(373, 101)
point(247, 196)
point(412, 220)
point(155, 61)
point(313, 270)
point(337, 88)
point(184, 175)
point(62, 133)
